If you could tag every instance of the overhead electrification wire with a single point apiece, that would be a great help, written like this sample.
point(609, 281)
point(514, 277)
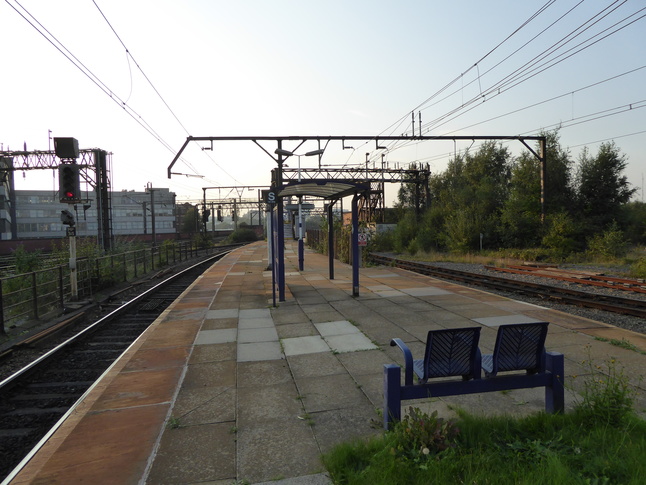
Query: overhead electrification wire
point(533, 105)
point(129, 54)
point(139, 67)
point(523, 74)
point(399, 123)
point(392, 128)
point(58, 45)
point(87, 72)
point(531, 69)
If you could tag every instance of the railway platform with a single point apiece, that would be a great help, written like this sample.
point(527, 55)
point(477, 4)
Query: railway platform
point(224, 388)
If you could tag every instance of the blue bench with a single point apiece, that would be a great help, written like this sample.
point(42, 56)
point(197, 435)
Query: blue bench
point(455, 352)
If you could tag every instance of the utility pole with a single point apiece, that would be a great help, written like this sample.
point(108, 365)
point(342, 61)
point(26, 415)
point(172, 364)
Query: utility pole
point(67, 218)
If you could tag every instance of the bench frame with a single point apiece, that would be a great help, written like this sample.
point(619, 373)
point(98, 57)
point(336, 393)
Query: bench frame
point(551, 377)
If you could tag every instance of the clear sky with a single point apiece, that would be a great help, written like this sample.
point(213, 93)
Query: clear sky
point(301, 67)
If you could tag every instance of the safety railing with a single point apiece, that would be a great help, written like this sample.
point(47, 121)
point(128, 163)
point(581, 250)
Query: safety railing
point(39, 293)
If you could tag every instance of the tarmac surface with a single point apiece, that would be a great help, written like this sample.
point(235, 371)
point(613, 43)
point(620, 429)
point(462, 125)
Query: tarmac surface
point(226, 389)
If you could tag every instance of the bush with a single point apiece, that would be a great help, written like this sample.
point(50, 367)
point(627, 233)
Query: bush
point(242, 235)
point(420, 436)
point(638, 268)
point(560, 235)
point(27, 262)
point(610, 244)
point(607, 396)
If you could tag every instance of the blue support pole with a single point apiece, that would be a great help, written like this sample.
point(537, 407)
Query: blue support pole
point(392, 396)
point(555, 393)
point(330, 238)
point(355, 245)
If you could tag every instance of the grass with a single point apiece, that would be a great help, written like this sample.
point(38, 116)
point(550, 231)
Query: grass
point(602, 441)
point(623, 343)
point(541, 449)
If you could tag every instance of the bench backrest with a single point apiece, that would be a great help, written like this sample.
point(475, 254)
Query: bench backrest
point(520, 347)
point(452, 352)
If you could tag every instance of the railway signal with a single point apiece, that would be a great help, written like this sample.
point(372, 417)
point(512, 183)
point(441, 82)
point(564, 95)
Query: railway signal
point(69, 184)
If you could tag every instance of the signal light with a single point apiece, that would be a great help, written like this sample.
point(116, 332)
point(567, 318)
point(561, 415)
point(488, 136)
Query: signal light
point(69, 185)
point(205, 215)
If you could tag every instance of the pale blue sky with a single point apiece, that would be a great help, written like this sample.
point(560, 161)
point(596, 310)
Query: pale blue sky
point(282, 67)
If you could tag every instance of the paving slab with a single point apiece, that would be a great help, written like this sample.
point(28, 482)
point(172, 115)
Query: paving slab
point(223, 389)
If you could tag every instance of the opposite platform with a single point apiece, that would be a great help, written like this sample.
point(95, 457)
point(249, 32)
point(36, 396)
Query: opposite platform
point(225, 388)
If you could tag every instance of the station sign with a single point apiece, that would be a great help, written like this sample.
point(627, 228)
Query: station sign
point(270, 196)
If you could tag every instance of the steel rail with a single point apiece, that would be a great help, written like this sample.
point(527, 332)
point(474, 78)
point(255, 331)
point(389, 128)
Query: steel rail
point(113, 314)
point(42, 360)
point(625, 306)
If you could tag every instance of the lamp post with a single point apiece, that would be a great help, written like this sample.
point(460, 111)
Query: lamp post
point(286, 153)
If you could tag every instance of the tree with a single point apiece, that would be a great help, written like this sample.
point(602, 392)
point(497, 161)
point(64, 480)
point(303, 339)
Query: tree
point(467, 199)
point(634, 216)
point(412, 194)
point(560, 192)
point(602, 189)
point(191, 222)
point(521, 214)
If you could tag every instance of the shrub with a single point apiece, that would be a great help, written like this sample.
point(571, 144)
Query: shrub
point(607, 396)
point(419, 435)
point(638, 268)
point(26, 262)
point(560, 235)
point(243, 235)
point(610, 244)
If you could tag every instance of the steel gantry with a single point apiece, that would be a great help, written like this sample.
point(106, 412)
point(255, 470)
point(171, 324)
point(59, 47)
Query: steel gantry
point(94, 168)
point(335, 184)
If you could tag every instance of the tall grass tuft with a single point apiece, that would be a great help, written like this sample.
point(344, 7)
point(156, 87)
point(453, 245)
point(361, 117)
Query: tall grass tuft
point(601, 442)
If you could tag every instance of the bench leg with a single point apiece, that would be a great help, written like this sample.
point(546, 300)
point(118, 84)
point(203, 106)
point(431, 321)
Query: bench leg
point(555, 393)
point(392, 395)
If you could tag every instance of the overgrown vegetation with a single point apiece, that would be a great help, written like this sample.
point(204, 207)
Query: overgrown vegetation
point(491, 200)
point(243, 234)
point(601, 442)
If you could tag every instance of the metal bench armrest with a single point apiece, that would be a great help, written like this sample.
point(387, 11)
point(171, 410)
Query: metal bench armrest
point(408, 360)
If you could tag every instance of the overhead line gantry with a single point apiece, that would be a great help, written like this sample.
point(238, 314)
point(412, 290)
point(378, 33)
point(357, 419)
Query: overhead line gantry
point(336, 184)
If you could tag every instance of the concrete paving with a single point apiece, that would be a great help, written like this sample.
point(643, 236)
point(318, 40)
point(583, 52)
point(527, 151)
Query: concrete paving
point(223, 388)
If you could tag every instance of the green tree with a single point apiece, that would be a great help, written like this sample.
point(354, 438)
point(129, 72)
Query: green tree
point(559, 175)
point(191, 222)
point(634, 217)
point(521, 214)
point(602, 187)
point(561, 234)
point(412, 193)
point(468, 198)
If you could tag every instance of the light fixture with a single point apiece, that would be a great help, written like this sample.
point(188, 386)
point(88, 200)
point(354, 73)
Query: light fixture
point(284, 153)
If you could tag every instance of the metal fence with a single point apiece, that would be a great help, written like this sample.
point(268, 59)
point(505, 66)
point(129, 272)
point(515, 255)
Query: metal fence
point(39, 293)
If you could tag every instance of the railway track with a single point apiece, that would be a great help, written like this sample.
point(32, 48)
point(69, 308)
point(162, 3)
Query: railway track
point(624, 306)
point(37, 398)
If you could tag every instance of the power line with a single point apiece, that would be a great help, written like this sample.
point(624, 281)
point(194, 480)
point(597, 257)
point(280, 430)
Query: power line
point(58, 45)
point(530, 68)
point(129, 54)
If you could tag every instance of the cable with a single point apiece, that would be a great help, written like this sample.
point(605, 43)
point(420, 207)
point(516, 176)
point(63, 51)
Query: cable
point(58, 45)
point(129, 54)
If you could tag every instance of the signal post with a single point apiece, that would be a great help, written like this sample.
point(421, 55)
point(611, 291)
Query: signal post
point(69, 192)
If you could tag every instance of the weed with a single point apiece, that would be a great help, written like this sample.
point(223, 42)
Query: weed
point(623, 343)
point(420, 435)
point(173, 423)
point(307, 418)
point(607, 395)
